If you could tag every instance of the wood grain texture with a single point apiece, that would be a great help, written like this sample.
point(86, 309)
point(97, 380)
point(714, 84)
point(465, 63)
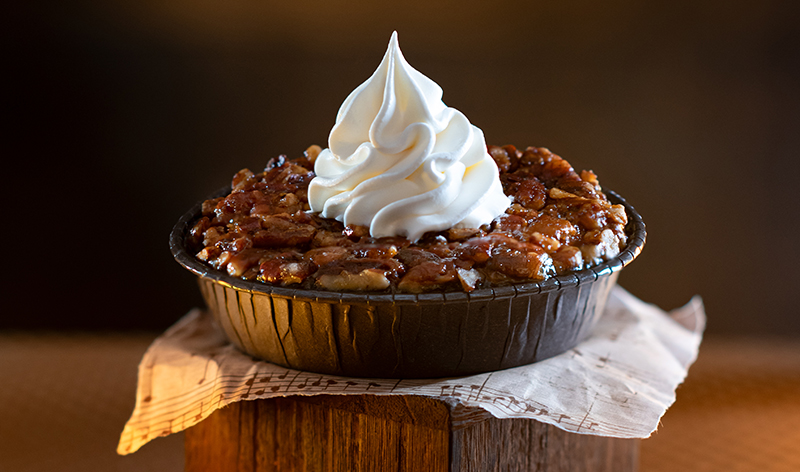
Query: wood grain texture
point(527, 445)
point(389, 433)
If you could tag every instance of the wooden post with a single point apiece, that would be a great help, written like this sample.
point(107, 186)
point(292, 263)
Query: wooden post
point(380, 433)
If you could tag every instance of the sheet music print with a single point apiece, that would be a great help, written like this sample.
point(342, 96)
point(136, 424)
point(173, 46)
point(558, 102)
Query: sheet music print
point(174, 414)
point(269, 380)
point(223, 375)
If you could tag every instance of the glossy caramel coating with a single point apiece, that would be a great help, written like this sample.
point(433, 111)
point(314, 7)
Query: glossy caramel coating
point(559, 221)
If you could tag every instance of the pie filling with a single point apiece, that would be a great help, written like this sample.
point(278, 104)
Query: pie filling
point(559, 221)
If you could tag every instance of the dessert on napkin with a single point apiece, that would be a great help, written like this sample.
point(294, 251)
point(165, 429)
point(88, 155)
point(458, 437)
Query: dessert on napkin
point(410, 249)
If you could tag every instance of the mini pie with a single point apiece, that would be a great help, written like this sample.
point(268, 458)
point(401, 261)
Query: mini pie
point(408, 248)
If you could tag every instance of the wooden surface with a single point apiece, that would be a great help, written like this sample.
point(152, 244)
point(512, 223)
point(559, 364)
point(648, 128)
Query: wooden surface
point(403, 433)
point(738, 411)
point(66, 397)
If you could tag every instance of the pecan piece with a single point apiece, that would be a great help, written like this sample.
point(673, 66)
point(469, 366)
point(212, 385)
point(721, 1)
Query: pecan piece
point(245, 260)
point(617, 213)
point(325, 238)
point(288, 204)
point(531, 193)
point(214, 234)
point(309, 157)
point(414, 256)
point(557, 228)
point(325, 255)
point(548, 244)
point(428, 276)
point(479, 250)
point(567, 258)
point(501, 158)
point(358, 274)
point(242, 180)
point(244, 224)
point(209, 206)
point(511, 224)
point(460, 234)
point(366, 280)
point(278, 232)
point(239, 202)
point(591, 178)
point(373, 251)
point(356, 232)
point(469, 278)
point(601, 245)
point(528, 263)
point(196, 235)
point(285, 269)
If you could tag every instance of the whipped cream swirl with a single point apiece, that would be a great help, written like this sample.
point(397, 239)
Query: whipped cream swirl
point(402, 162)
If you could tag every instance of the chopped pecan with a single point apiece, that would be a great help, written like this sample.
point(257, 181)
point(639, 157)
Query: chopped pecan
point(214, 234)
point(460, 234)
point(285, 269)
point(510, 224)
point(557, 228)
point(477, 250)
point(560, 221)
point(373, 251)
point(501, 158)
point(428, 276)
point(364, 281)
point(197, 232)
point(390, 267)
point(221, 260)
point(280, 232)
point(530, 262)
point(244, 224)
point(603, 245)
point(567, 258)
point(556, 168)
point(325, 238)
point(275, 162)
point(209, 253)
point(246, 259)
point(325, 255)
point(469, 278)
point(309, 157)
point(532, 194)
point(592, 215)
point(414, 256)
point(506, 157)
point(242, 180)
point(617, 214)
point(591, 178)
point(548, 244)
point(358, 274)
point(356, 232)
point(289, 203)
point(208, 206)
point(240, 202)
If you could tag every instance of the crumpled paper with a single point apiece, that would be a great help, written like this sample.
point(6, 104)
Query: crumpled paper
point(617, 383)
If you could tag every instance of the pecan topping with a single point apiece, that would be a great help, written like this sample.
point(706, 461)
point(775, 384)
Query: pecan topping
point(560, 221)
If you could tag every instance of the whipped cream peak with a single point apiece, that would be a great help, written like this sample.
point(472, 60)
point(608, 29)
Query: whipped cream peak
point(402, 162)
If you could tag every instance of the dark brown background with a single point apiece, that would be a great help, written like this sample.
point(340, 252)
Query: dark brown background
point(120, 117)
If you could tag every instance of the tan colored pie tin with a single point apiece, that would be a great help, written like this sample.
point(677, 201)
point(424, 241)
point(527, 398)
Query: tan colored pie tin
point(406, 335)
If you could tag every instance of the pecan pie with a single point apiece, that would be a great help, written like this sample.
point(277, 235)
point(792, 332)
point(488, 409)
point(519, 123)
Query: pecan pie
point(559, 221)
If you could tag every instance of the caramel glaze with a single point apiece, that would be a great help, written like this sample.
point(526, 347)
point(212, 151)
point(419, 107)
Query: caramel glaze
point(560, 221)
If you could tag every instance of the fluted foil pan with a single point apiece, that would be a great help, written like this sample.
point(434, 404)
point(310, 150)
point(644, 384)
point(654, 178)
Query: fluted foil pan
point(401, 335)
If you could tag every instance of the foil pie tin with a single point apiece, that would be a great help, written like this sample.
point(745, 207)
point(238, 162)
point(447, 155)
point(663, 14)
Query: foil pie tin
point(400, 335)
